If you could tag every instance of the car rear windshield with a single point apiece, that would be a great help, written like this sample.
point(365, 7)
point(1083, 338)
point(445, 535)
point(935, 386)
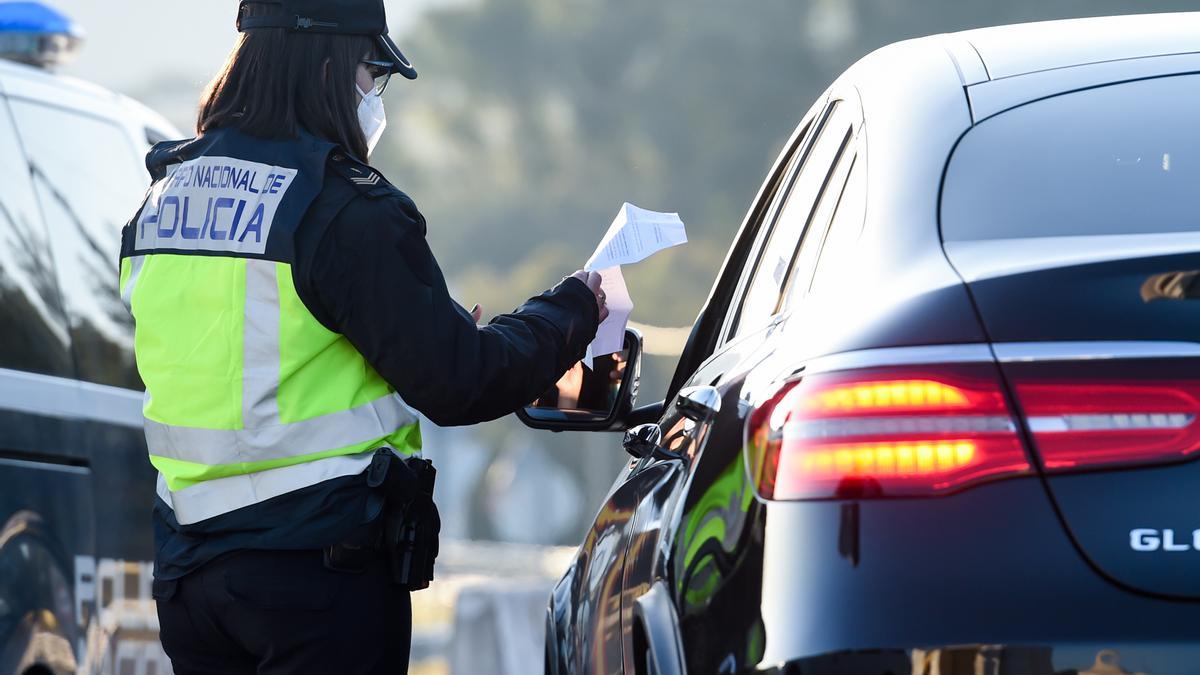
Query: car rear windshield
point(1118, 159)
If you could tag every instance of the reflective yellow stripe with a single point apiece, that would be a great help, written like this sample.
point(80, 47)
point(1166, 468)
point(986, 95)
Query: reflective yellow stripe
point(131, 268)
point(320, 371)
point(188, 338)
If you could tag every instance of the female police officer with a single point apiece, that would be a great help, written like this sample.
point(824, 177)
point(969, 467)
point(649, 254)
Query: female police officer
point(289, 319)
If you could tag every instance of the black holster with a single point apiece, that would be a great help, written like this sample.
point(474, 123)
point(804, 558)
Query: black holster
point(409, 523)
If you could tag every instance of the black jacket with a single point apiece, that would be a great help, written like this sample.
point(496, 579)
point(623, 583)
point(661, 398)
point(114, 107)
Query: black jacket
point(367, 272)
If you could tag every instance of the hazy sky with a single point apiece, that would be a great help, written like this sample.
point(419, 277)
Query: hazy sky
point(131, 42)
point(163, 52)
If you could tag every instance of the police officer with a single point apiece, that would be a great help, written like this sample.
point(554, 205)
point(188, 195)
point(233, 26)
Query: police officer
point(290, 319)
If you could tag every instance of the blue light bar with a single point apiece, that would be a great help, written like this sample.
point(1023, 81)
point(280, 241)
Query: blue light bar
point(37, 34)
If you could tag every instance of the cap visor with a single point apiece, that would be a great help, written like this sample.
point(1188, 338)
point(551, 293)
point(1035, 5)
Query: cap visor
point(392, 52)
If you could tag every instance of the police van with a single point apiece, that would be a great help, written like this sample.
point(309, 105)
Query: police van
point(75, 487)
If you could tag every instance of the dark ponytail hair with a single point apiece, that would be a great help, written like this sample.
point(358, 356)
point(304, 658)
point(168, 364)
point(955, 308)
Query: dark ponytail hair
point(276, 82)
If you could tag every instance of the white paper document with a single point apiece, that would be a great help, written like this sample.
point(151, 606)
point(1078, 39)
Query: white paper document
point(635, 234)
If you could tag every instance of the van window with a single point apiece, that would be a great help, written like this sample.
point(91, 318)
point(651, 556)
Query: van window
point(1120, 159)
point(33, 330)
point(89, 180)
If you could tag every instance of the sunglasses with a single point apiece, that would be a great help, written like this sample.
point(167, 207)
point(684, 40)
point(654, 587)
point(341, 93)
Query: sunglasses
point(380, 71)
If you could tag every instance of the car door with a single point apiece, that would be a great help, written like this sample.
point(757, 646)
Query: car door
point(591, 629)
point(45, 483)
point(83, 174)
point(688, 507)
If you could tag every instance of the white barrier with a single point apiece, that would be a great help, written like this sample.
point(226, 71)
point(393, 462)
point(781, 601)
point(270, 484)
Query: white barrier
point(500, 628)
point(492, 598)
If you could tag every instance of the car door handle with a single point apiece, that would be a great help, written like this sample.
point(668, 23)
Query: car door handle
point(699, 404)
point(642, 440)
point(645, 440)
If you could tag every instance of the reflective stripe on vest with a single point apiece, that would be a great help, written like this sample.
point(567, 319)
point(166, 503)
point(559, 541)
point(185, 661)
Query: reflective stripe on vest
point(214, 497)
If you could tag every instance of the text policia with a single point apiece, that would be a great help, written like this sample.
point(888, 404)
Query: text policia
point(214, 203)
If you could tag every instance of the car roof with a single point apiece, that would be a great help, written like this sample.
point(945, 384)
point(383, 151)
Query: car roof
point(24, 81)
point(20, 75)
point(1020, 49)
point(1001, 67)
point(1004, 66)
point(919, 96)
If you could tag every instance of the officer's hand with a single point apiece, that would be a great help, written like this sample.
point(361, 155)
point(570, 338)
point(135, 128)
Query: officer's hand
point(592, 279)
point(477, 312)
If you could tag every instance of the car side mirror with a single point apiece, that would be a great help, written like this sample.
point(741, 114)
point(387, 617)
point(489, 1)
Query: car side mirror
point(591, 399)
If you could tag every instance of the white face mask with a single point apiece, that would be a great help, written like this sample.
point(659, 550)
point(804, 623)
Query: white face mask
point(371, 117)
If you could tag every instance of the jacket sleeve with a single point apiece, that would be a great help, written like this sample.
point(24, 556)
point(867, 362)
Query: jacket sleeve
point(375, 281)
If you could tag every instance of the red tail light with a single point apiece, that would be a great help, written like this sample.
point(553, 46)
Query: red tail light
point(883, 432)
point(1106, 414)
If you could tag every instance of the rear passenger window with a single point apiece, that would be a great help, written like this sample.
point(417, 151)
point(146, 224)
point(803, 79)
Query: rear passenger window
point(772, 198)
point(761, 300)
point(844, 230)
point(33, 331)
point(814, 234)
point(1113, 160)
point(89, 180)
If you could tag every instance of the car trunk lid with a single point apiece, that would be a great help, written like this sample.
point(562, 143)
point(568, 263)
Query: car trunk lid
point(1103, 364)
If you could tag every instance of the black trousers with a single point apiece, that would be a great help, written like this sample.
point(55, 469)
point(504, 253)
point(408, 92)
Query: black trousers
point(274, 612)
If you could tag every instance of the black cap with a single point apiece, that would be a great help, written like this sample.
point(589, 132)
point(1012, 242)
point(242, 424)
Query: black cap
point(340, 17)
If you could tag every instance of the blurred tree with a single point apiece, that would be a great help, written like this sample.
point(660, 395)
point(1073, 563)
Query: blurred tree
point(534, 119)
